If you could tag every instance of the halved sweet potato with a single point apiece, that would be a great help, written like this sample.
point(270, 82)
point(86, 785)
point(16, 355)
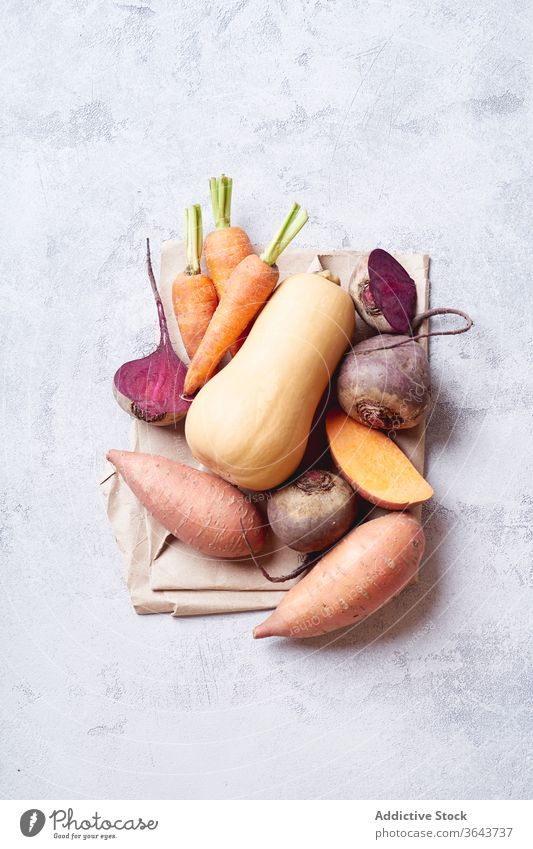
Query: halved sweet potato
point(374, 465)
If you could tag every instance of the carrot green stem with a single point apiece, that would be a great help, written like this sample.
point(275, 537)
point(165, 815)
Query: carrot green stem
point(292, 225)
point(221, 188)
point(193, 238)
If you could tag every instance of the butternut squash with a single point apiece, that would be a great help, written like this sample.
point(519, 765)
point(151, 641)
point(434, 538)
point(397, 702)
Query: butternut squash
point(251, 422)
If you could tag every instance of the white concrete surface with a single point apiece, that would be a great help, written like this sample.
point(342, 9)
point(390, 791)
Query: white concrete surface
point(401, 124)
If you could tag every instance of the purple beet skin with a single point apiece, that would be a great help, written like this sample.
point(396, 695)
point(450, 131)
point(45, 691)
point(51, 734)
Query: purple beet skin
point(384, 382)
point(392, 291)
point(151, 388)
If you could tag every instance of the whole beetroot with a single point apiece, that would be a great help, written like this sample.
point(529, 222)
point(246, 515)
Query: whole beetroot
point(312, 512)
point(385, 387)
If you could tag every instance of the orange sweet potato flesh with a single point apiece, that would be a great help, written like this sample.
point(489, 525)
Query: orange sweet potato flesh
point(196, 507)
point(364, 571)
point(374, 465)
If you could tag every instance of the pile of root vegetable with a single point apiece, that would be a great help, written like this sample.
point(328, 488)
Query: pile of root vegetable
point(263, 357)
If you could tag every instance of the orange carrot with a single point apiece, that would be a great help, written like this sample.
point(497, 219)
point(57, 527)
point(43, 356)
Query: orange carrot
point(193, 295)
point(374, 465)
point(364, 571)
point(250, 284)
point(226, 246)
point(242, 338)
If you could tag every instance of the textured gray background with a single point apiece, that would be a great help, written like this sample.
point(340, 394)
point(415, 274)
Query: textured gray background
point(402, 124)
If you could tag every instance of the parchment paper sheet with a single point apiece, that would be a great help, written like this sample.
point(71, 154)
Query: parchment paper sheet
point(166, 576)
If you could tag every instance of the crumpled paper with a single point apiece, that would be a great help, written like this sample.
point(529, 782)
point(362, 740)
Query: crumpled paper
point(163, 574)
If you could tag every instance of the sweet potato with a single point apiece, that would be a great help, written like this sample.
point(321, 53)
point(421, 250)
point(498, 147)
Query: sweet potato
point(367, 568)
point(374, 465)
point(196, 507)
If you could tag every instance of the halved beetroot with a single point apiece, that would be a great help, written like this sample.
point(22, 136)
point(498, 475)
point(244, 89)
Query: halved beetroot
point(392, 290)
